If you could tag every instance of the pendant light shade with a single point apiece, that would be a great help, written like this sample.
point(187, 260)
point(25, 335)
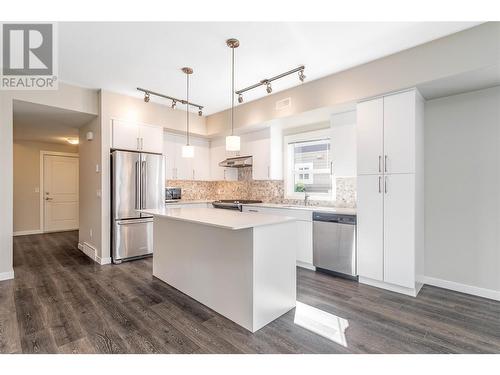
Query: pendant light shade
point(187, 149)
point(232, 141)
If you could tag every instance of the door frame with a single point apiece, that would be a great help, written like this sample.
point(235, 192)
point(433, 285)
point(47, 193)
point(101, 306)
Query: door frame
point(42, 157)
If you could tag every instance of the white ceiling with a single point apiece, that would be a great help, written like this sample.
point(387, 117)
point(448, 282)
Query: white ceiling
point(40, 123)
point(122, 56)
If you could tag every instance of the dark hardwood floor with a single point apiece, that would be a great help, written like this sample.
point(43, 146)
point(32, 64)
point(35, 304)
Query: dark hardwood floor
point(62, 302)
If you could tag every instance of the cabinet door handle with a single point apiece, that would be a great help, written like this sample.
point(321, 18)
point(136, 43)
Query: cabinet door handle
point(193, 174)
point(253, 211)
point(385, 163)
point(331, 168)
point(380, 184)
point(385, 185)
point(380, 163)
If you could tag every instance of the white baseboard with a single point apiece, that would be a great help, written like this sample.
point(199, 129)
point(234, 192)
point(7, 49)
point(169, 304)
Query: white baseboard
point(306, 265)
point(91, 252)
point(6, 275)
point(391, 287)
point(27, 232)
point(463, 288)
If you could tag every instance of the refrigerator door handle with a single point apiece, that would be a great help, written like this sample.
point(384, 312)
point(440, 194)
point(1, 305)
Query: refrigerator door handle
point(144, 182)
point(137, 185)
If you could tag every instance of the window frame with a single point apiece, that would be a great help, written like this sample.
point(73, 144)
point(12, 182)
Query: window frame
point(307, 136)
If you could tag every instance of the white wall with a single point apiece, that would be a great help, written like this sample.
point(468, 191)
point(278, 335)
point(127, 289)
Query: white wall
point(344, 144)
point(90, 185)
point(462, 191)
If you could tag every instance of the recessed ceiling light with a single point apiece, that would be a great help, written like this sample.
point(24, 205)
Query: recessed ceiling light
point(73, 141)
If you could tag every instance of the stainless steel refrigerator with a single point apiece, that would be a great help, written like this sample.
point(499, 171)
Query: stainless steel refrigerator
point(137, 182)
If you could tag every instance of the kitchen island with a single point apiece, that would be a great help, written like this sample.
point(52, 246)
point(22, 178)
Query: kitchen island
point(242, 265)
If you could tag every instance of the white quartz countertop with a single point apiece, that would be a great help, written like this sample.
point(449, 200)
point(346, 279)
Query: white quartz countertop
point(227, 219)
point(336, 210)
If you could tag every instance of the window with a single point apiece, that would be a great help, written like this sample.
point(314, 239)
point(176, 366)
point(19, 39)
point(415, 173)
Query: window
point(308, 166)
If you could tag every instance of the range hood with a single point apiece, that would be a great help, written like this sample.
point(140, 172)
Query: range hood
point(237, 162)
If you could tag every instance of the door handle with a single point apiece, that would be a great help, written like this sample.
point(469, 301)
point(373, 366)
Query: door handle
point(144, 184)
point(380, 163)
point(385, 185)
point(49, 199)
point(142, 144)
point(137, 185)
point(385, 163)
point(380, 184)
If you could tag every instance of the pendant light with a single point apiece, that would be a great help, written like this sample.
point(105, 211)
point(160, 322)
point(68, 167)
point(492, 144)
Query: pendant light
point(187, 149)
point(232, 141)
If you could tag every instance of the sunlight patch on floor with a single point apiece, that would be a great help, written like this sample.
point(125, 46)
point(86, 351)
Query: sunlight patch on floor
point(321, 322)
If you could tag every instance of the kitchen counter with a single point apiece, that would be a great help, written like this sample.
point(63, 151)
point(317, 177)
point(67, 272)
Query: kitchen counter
point(241, 265)
point(227, 219)
point(337, 210)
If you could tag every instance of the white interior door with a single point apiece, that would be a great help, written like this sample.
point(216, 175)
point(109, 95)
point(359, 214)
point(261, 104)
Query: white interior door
point(370, 227)
point(60, 193)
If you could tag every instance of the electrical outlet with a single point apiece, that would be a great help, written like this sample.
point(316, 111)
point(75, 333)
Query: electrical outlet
point(37, 189)
point(97, 168)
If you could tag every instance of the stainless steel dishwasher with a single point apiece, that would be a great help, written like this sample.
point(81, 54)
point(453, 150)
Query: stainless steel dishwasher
point(334, 243)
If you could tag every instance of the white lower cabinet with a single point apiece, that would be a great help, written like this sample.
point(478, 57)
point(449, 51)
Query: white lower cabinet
point(386, 230)
point(399, 229)
point(370, 228)
point(304, 229)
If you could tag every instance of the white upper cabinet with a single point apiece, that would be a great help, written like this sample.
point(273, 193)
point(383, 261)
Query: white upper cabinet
point(386, 134)
point(151, 138)
point(180, 168)
point(125, 136)
point(370, 136)
point(266, 148)
point(136, 137)
point(399, 132)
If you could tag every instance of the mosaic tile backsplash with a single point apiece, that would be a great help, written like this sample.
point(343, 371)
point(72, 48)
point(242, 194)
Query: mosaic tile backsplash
point(267, 191)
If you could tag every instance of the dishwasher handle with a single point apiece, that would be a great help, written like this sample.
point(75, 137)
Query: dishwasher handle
point(334, 218)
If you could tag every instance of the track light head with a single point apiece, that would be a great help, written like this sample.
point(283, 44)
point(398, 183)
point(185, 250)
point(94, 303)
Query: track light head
point(146, 97)
point(174, 104)
point(302, 77)
point(240, 98)
point(269, 89)
point(200, 113)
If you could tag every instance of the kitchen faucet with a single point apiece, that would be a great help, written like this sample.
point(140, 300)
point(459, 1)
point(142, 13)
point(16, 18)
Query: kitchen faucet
point(306, 197)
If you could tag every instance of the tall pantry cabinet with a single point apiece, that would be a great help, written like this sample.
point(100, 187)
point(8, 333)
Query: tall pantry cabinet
point(390, 226)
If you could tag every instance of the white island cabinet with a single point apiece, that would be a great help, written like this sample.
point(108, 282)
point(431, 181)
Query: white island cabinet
point(241, 265)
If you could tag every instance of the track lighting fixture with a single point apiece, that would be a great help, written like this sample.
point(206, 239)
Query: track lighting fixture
point(200, 113)
point(173, 105)
point(267, 81)
point(302, 77)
